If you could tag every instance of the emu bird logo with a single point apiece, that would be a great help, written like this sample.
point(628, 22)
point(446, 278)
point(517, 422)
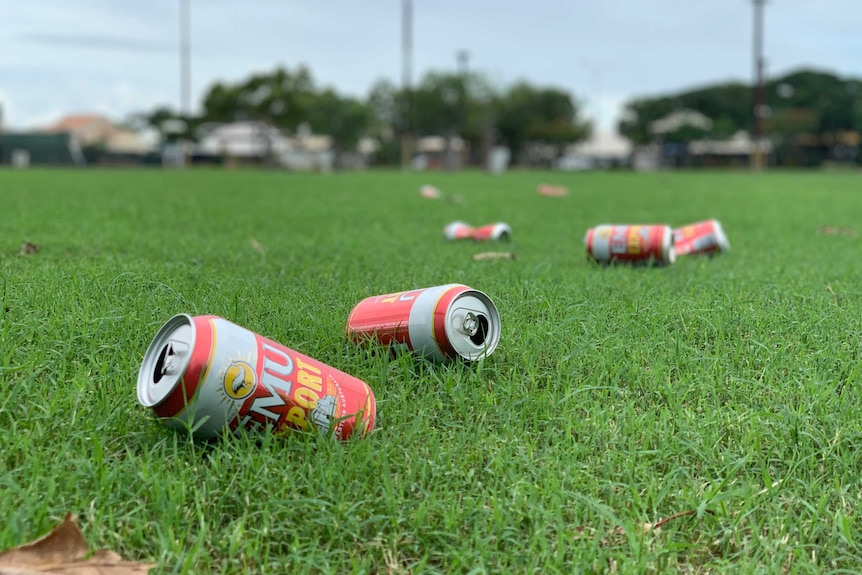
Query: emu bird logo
point(239, 380)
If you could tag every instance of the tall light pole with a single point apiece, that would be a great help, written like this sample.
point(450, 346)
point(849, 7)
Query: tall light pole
point(185, 57)
point(406, 81)
point(759, 110)
point(185, 72)
point(452, 160)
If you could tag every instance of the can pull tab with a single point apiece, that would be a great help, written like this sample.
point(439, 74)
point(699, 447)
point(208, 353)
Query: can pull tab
point(170, 360)
point(470, 324)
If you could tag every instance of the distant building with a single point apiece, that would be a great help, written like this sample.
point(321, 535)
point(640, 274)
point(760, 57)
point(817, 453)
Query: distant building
point(431, 152)
point(23, 149)
point(86, 129)
point(601, 150)
point(95, 131)
point(735, 151)
point(258, 144)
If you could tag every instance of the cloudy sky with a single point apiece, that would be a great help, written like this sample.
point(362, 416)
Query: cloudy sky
point(122, 56)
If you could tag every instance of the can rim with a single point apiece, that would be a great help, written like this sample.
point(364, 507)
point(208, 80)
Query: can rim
point(150, 392)
point(667, 245)
point(720, 236)
point(500, 230)
point(464, 347)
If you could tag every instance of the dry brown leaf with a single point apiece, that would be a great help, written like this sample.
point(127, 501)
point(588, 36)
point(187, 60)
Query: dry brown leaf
point(28, 249)
point(836, 231)
point(257, 246)
point(64, 551)
point(661, 522)
point(614, 534)
point(494, 256)
point(553, 191)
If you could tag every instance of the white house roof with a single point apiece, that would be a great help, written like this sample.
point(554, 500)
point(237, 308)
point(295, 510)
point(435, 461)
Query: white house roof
point(609, 145)
point(676, 120)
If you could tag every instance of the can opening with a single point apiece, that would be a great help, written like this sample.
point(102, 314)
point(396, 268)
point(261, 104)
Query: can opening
point(478, 338)
point(165, 364)
point(159, 370)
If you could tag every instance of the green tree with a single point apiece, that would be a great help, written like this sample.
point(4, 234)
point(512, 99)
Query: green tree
point(277, 98)
point(529, 114)
point(807, 100)
point(345, 119)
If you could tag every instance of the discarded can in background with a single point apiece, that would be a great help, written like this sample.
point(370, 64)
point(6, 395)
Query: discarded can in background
point(548, 190)
point(442, 322)
point(206, 374)
point(458, 231)
point(430, 192)
point(637, 245)
point(705, 237)
point(498, 231)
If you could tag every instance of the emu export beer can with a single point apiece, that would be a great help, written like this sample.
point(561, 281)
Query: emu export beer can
point(497, 231)
point(442, 322)
point(638, 245)
point(206, 374)
point(458, 231)
point(705, 237)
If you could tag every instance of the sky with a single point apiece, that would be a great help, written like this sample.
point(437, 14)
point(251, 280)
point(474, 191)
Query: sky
point(118, 57)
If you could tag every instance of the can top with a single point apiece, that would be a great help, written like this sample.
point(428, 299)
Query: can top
point(166, 360)
point(720, 237)
point(473, 325)
point(667, 245)
point(501, 231)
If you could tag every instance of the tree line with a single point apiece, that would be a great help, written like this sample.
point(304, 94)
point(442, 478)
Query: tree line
point(805, 109)
point(441, 104)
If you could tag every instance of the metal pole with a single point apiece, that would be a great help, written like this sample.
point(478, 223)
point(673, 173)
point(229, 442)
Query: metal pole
point(757, 158)
point(406, 81)
point(185, 57)
point(185, 72)
point(453, 161)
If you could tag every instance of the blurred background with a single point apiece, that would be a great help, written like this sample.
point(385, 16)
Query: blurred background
point(431, 85)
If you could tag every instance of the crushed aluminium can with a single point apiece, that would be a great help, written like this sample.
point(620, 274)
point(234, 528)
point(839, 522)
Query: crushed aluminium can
point(705, 237)
point(633, 244)
point(497, 231)
point(458, 231)
point(206, 374)
point(442, 322)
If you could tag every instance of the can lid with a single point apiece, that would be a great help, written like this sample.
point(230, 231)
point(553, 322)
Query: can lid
point(473, 325)
point(501, 231)
point(720, 237)
point(166, 360)
point(667, 245)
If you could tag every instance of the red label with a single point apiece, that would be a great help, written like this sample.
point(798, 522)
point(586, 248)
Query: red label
point(383, 317)
point(629, 243)
point(290, 389)
point(698, 238)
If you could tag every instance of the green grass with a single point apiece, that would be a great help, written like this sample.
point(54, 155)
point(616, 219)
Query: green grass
point(617, 396)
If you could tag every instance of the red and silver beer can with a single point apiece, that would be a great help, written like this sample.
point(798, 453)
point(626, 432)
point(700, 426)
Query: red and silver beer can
point(705, 237)
point(497, 231)
point(442, 322)
point(634, 244)
point(458, 231)
point(206, 374)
